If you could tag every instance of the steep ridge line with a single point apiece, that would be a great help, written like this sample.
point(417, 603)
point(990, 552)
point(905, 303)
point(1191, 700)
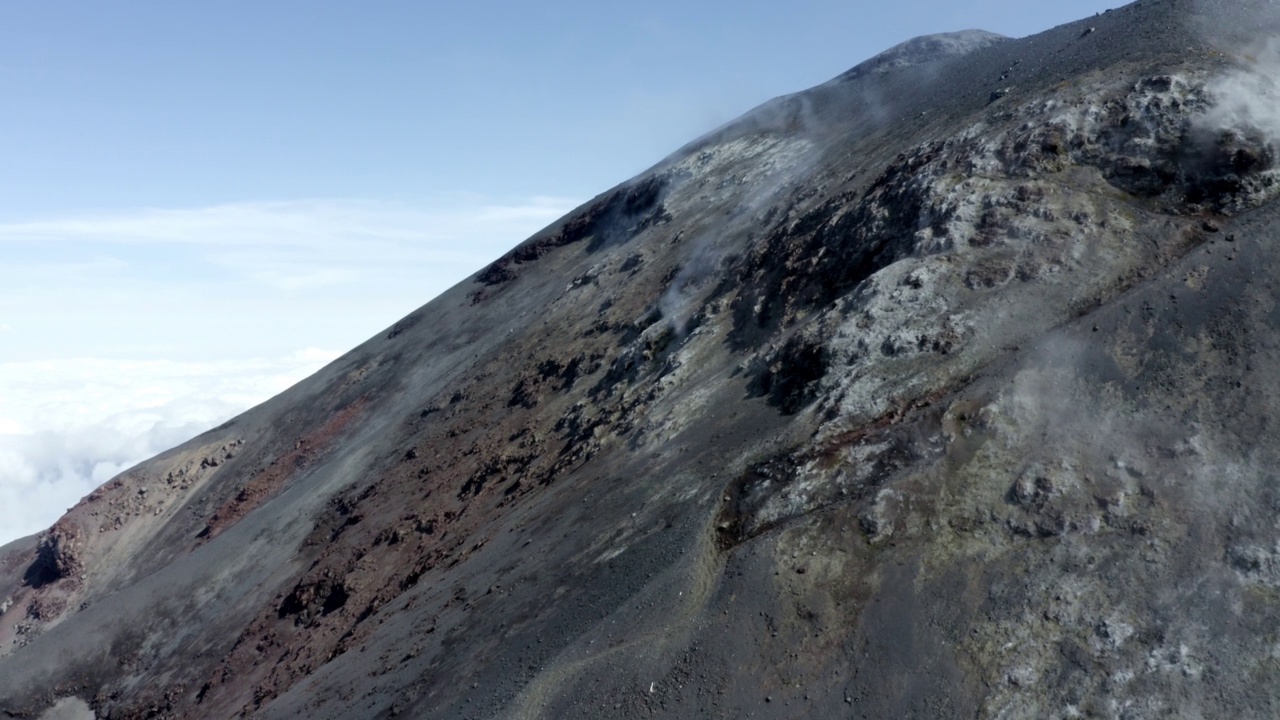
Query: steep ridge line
point(945, 391)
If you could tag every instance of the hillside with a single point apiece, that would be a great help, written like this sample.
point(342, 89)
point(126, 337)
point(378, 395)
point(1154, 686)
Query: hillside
point(944, 389)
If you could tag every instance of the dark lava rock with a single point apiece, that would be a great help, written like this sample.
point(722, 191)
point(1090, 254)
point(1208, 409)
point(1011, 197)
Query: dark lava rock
point(924, 393)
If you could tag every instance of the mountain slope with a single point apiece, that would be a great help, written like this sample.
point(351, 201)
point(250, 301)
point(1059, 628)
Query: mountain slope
point(942, 389)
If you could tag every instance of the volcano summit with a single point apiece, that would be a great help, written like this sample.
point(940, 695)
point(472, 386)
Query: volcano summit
point(946, 389)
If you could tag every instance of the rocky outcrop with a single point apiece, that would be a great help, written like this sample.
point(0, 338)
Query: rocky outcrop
point(943, 389)
point(80, 558)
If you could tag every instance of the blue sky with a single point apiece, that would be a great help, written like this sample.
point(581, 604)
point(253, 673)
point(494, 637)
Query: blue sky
point(201, 202)
point(153, 104)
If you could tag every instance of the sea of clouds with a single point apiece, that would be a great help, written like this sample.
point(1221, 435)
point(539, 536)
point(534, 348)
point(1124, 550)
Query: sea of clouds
point(126, 333)
point(67, 426)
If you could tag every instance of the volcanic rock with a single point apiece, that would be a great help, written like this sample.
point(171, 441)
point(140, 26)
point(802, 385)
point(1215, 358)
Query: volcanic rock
point(928, 392)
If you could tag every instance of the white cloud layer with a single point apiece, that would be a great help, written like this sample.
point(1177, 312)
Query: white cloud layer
point(154, 294)
point(242, 280)
point(309, 224)
point(67, 426)
point(296, 244)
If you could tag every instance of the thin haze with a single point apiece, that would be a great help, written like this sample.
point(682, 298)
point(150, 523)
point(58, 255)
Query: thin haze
point(203, 202)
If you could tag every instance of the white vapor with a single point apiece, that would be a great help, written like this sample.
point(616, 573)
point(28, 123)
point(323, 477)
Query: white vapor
point(67, 426)
point(1247, 100)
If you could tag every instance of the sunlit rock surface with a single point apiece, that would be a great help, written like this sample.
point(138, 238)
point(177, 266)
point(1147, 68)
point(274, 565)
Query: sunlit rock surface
point(947, 388)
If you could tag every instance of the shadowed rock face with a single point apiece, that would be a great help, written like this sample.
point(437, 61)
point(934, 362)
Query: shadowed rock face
point(944, 389)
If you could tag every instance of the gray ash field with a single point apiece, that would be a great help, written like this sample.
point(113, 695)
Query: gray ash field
point(946, 389)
